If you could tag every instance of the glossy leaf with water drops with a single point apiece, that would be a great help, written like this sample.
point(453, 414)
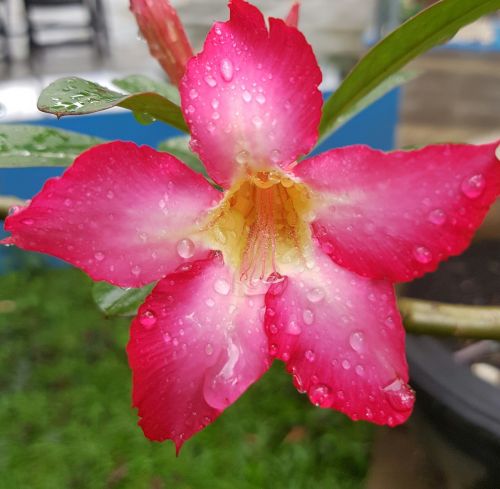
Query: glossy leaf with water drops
point(76, 96)
point(429, 28)
point(23, 145)
point(142, 83)
point(119, 301)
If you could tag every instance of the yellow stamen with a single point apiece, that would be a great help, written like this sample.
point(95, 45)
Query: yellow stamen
point(261, 225)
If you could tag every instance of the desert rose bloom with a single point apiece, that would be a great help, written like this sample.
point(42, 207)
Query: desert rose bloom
point(292, 261)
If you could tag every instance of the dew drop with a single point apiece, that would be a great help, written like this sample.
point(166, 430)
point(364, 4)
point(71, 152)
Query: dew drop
point(215, 116)
point(27, 222)
point(308, 316)
point(99, 256)
point(247, 96)
point(67, 202)
point(273, 350)
point(257, 121)
point(215, 104)
point(357, 341)
point(400, 395)
point(310, 356)
point(272, 328)
point(422, 254)
point(473, 187)
point(193, 94)
point(293, 328)
point(222, 287)
point(242, 157)
point(346, 364)
point(185, 248)
point(210, 302)
point(148, 319)
point(275, 155)
point(209, 349)
point(389, 322)
point(110, 194)
point(13, 210)
point(260, 98)
point(136, 270)
point(437, 217)
point(321, 395)
point(297, 382)
point(210, 81)
point(226, 70)
point(315, 295)
point(360, 370)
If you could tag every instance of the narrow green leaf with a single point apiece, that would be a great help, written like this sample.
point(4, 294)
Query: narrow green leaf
point(75, 96)
point(429, 28)
point(179, 146)
point(378, 92)
point(115, 301)
point(141, 83)
point(24, 145)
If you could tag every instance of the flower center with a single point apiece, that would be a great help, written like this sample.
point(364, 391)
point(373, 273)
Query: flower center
point(261, 226)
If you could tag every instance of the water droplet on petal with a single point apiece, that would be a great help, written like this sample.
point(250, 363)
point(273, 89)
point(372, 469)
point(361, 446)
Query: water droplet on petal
point(222, 287)
point(275, 155)
point(473, 187)
point(193, 94)
point(210, 81)
point(437, 217)
point(360, 370)
point(357, 341)
point(209, 349)
point(215, 104)
point(110, 194)
point(297, 382)
point(210, 302)
point(13, 210)
point(242, 157)
point(67, 202)
point(310, 356)
point(400, 395)
point(260, 98)
point(321, 395)
point(308, 316)
point(99, 256)
point(226, 70)
point(346, 364)
point(27, 222)
point(293, 328)
point(185, 248)
point(315, 295)
point(136, 270)
point(273, 350)
point(422, 254)
point(148, 319)
point(257, 121)
point(247, 96)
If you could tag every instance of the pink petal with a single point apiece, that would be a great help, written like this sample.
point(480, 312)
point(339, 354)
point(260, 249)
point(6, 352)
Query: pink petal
point(342, 340)
point(195, 347)
point(397, 215)
point(122, 213)
point(292, 19)
point(161, 27)
point(251, 97)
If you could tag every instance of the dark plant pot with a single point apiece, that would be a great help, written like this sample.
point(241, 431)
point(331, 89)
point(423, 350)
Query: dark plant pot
point(461, 405)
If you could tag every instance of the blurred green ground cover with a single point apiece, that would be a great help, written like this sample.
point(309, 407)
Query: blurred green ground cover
point(66, 420)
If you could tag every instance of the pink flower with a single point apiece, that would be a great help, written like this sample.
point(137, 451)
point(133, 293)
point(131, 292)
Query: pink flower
point(163, 31)
point(292, 261)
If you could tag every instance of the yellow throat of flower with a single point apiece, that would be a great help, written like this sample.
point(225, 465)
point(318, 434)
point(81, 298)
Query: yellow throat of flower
point(262, 225)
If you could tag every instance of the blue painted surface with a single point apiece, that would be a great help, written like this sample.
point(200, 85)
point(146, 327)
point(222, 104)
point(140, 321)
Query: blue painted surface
point(374, 126)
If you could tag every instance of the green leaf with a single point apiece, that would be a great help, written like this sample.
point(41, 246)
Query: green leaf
point(431, 27)
point(378, 92)
point(115, 301)
point(24, 145)
point(75, 96)
point(141, 83)
point(179, 146)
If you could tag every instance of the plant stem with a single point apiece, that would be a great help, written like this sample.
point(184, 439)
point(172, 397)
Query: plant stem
point(6, 202)
point(438, 319)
